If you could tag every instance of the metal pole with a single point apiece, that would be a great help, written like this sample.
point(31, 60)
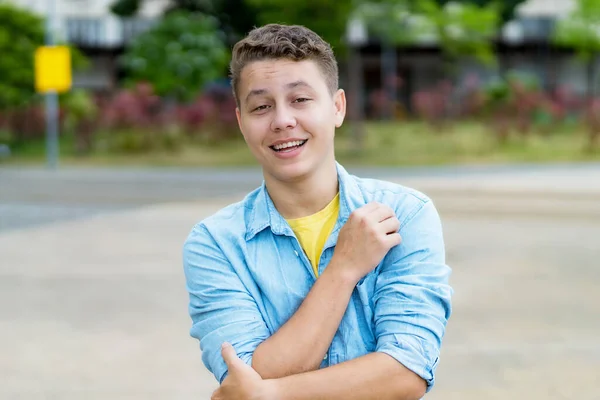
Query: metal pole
point(356, 89)
point(388, 78)
point(52, 109)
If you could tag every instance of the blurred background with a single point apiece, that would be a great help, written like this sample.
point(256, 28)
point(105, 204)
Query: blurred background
point(114, 147)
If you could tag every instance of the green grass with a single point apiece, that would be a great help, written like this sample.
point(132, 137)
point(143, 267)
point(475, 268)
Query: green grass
point(465, 143)
point(386, 144)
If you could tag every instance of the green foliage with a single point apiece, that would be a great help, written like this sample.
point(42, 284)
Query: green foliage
point(128, 8)
point(506, 7)
point(496, 93)
point(500, 92)
point(328, 18)
point(81, 115)
point(79, 105)
point(580, 30)
point(6, 136)
point(78, 60)
point(463, 29)
point(390, 20)
point(125, 8)
point(141, 141)
point(236, 17)
point(178, 56)
point(21, 32)
point(387, 143)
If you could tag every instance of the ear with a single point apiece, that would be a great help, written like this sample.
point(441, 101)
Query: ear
point(238, 116)
point(339, 102)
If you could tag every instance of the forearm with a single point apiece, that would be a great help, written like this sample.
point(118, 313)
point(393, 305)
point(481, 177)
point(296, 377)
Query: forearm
point(301, 343)
point(374, 376)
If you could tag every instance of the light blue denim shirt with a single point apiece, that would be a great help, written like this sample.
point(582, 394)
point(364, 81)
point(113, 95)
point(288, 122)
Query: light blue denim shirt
point(247, 274)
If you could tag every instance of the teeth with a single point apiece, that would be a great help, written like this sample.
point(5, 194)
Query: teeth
point(288, 144)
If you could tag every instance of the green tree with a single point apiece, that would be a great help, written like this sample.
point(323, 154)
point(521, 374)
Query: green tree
point(81, 113)
point(579, 31)
point(125, 8)
point(179, 55)
point(392, 21)
point(402, 21)
point(394, 25)
point(506, 7)
point(236, 17)
point(21, 32)
point(328, 18)
point(463, 29)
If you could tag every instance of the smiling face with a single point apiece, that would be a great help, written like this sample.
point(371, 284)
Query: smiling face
point(288, 117)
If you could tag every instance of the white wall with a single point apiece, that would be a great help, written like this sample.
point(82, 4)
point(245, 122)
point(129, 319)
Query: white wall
point(545, 8)
point(95, 11)
point(88, 8)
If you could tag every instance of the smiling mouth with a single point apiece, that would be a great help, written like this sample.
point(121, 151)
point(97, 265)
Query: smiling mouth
point(288, 146)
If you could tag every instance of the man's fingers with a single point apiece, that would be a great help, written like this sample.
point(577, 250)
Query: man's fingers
point(382, 213)
point(390, 225)
point(393, 239)
point(229, 355)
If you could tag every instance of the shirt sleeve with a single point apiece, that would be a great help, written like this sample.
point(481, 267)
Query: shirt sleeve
point(220, 306)
point(412, 299)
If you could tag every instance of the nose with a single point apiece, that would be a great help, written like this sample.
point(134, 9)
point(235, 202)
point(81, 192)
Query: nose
point(283, 119)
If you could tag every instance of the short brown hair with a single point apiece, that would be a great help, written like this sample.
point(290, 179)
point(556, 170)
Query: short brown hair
point(292, 42)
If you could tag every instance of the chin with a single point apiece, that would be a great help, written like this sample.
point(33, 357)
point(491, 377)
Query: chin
point(291, 172)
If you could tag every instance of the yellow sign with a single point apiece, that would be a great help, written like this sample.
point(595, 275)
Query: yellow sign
point(52, 69)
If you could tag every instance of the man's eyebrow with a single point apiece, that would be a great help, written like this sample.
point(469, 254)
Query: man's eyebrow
point(291, 85)
point(296, 84)
point(255, 92)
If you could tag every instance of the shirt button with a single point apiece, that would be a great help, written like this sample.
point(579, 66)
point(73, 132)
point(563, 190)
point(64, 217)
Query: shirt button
point(325, 358)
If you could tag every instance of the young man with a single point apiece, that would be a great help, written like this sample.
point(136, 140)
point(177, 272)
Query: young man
point(306, 288)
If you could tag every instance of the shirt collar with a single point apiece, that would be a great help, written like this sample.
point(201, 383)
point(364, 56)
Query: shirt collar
point(264, 214)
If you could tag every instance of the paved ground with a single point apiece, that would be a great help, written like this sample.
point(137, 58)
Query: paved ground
point(93, 303)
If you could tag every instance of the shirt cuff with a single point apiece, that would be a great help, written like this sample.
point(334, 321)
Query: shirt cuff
point(413, 353)
point(222, 374)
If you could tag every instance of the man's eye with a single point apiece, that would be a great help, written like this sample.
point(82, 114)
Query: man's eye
point(301, 100)
point(260, 108)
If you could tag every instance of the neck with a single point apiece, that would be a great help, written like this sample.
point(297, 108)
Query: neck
point(305, 196)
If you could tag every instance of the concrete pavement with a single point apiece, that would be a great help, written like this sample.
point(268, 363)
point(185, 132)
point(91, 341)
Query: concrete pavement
point(96, 308)
point(34, 196)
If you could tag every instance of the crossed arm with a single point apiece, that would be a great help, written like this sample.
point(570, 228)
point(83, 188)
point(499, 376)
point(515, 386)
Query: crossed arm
point(294, 353)
point(289, 358)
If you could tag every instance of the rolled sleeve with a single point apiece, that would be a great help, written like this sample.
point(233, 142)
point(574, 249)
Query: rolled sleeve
point(220, 306)
point(410, 352)
point(412, 297)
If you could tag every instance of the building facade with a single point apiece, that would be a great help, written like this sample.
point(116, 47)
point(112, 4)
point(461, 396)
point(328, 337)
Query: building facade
point(524, 45)
point(100, 35)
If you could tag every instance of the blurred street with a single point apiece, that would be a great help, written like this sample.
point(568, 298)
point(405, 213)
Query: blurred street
point(93, 302)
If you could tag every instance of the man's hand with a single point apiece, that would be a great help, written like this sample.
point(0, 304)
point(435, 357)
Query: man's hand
point(242, 382)
point(367, 236)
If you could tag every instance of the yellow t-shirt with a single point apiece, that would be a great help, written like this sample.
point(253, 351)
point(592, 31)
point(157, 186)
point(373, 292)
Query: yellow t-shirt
point(312, 231)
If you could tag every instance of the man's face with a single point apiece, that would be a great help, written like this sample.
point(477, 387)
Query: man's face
point(288, 116)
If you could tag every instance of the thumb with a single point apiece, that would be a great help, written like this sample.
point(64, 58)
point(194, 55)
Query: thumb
point(229, 355)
